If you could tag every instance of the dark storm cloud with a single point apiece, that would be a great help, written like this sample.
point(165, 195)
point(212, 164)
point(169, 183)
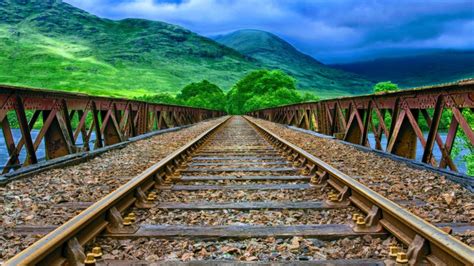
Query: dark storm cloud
point(338, 30)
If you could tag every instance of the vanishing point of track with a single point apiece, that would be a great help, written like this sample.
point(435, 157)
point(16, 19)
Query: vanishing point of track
point(239, 154)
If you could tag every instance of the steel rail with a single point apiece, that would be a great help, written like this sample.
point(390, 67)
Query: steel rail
point(51, 249)
point(439, 247)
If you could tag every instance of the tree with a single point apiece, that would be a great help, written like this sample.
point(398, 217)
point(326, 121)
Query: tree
point(164, 98)
point(262, 89)
point(385, 86)
point(259, 89)
point(203, 94)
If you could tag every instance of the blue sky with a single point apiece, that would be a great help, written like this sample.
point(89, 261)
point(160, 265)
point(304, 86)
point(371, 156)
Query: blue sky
point(329, 30)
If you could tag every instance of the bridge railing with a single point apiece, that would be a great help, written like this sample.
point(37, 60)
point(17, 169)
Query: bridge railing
point(398, 120)
point(66, 123)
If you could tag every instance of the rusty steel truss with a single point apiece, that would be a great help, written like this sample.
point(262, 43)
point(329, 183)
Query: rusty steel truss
point(352, 118)
point(62, 118)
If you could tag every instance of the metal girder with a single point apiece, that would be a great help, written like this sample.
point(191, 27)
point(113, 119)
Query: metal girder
point(395, 116)
point(68, 118)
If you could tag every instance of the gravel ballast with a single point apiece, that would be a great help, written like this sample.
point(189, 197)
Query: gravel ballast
point(446, 201)
point(253, 249)
point(29, 200)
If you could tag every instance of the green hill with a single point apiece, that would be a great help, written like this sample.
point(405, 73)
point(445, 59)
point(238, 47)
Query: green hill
point(275, 53)
point(58, 46)
point(51, 44)
point(418, 70)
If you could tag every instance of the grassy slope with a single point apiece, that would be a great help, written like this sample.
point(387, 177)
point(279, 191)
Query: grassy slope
point(420, 70)
point(54, 45)
point(312, 75)
point(61, 47)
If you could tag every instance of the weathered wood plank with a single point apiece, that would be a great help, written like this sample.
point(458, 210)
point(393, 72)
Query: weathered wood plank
point(240, 163)
point(233, 153)
point(315, 205)
point(238, 187)
point(458, 228)
point(241, 158)
point(414, 202)
point(71, 205)
point(256, 205)
point(358, 262)
point(246, 169)
point(33, 229)
point(237, 231)
point(323, 231)
point(238, 148)
point(243, 178)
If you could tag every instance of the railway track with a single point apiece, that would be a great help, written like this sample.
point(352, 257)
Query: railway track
point(239, 192)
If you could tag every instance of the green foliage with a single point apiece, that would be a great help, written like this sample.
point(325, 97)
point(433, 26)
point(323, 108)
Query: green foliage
point(385, 86)
point(463, 143)
point(203, 94)
point(259, 89)
point(163, 98)
point(262, 89)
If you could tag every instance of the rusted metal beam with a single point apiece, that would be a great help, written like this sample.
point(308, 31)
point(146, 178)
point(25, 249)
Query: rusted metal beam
point(112, 120)
point(354, 118)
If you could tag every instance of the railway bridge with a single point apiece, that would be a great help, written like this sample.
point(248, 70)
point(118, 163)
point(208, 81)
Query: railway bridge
point(366, 180)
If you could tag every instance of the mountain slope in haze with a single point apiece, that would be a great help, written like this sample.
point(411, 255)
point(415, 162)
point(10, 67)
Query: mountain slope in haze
point(418, 70)
point(275, 53)
point(54, 45)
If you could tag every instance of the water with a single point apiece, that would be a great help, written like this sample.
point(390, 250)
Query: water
point(40, 152)
point(436, 151)
point(41, 149)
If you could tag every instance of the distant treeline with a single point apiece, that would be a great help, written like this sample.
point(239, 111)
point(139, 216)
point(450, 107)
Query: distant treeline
point(259, 89)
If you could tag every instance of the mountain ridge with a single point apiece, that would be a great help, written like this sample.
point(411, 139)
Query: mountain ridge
point(52, 44)
point(425, 69)
point(275, 52)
